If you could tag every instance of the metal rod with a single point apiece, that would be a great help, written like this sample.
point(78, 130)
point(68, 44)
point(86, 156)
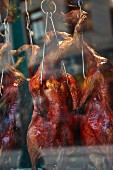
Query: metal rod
point(82, 37)
point(65, 72)
point(0, 19)
point(28, 22)
point(58, 44)
point(1, 81)
point(54, 28)
point(44, 49)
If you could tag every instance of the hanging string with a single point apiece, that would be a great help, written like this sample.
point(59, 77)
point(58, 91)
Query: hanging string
point(28, 26)
point(44, 48)
point(83, 61)
point(51, 17)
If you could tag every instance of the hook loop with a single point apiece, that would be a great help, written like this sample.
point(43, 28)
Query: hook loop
point(80, 2)
point(52, 3)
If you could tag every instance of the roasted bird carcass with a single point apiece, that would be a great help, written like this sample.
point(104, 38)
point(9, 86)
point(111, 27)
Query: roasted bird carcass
point(9, 105)
point(53, 125)
point(97, 108)
point(9, 101)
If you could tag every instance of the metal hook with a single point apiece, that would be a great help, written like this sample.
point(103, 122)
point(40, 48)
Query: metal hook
point(5, 24)
point(1, 19)
point(44, 49)
point(83, 62)
point(47, 14)
point(51, 18)
point(80, 2)
point(50, 14)
point(65, 72)
point(28, 22)
point(58, 45)
point(1, 81)
point(50, 2)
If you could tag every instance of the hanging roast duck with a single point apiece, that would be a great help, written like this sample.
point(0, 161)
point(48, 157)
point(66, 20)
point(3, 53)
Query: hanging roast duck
point(9, 101)
point(96, 123)
point(52, 125)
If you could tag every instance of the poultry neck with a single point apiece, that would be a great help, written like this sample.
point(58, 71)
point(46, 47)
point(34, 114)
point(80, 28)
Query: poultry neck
point(93, 59)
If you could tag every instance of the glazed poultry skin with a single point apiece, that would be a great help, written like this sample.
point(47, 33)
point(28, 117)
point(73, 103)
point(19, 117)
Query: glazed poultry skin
point(9, 105)
point(97, 104)
point(53, 123)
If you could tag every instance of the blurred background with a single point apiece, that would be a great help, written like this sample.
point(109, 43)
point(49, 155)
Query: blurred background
point(98, 32)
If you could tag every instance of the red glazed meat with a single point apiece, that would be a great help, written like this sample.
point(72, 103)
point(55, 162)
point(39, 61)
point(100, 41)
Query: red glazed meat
point(53, 125)
point(97, 108)
point(9, 104)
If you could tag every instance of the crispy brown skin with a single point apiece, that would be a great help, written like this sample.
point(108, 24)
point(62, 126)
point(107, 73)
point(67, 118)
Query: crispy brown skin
point(53, 124)
point(9, 100)
point(97, 101)
point(9, 104)
point(49, 105)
